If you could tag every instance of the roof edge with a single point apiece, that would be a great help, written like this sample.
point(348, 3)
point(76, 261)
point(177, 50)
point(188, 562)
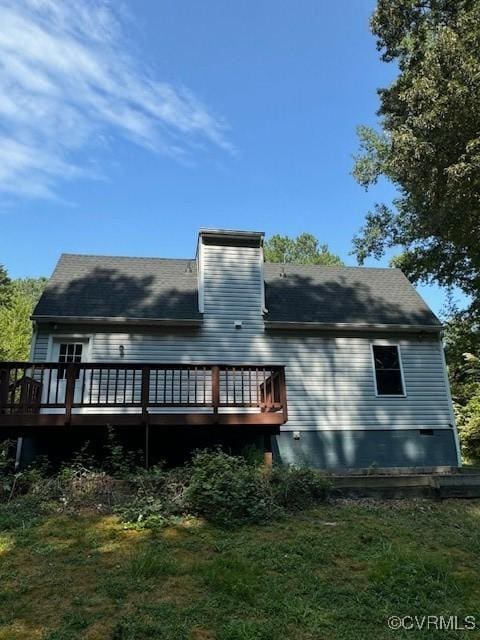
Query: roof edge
point(183, 322)
point(353, 326)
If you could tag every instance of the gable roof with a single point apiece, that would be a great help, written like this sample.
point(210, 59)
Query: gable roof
point(343, 295)
point(165, 291)
point(122, 289)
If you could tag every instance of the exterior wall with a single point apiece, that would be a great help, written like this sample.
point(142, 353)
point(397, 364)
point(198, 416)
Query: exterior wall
point(364, 448)
point(330, 378)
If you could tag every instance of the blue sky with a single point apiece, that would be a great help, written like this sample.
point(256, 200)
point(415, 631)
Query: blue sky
point(131, 126)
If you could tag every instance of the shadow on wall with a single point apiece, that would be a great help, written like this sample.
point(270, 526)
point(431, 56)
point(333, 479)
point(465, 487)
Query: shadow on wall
point(110, 292)
point(364, 449)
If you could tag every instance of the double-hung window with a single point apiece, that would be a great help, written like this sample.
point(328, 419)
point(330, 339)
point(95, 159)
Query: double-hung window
point(388, 370)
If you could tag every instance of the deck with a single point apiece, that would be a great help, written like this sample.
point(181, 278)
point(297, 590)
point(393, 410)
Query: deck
point(95, 394)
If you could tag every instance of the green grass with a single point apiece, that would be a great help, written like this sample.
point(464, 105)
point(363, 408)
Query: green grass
point(337, 571)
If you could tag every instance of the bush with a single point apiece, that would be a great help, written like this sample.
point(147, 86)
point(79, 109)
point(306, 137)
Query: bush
point(296, 489)
point(468, 421)
point(158, 496)
point(227, 490)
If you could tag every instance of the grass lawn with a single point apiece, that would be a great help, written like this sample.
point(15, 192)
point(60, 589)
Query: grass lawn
point(337, 571)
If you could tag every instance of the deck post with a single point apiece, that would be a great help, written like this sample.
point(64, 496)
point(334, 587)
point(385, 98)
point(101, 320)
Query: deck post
point(70, 391)
point(215, 388)
point(145, 391)
point(147, 445)
point(145, 398)
point(267, 450)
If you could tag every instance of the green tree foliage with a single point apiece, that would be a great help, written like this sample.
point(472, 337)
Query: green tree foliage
point(304, 249)
point(462, 347)
point(5, 286)
point(17, 299)
point(428, 144)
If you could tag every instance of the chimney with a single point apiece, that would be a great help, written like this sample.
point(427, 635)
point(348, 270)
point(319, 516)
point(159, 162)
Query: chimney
point(230, 271)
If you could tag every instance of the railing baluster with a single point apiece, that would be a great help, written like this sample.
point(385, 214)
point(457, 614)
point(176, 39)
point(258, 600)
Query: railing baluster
point(83, 373)
point(27, 387)
point(145, 390)
point(49, 388)
point(92, 374)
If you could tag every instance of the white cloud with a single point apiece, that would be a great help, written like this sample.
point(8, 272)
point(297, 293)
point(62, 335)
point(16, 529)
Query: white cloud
point(68, 78)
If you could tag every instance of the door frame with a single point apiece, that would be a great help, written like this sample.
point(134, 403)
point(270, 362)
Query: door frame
point(54, 338)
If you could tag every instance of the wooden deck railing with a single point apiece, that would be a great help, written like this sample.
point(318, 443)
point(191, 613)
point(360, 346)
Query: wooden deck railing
point(140, 388)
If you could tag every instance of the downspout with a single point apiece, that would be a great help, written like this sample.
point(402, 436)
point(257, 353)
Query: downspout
point(264, 309)
point(200, 276)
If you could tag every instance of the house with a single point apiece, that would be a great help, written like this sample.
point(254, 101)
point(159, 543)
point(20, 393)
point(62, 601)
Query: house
point(332, 367)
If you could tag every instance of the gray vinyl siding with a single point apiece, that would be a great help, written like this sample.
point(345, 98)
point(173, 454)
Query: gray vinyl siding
point(330, 378)
point(41, 345)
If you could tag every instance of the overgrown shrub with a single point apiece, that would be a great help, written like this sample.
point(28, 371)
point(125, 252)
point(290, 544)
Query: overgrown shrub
point(468, 421)
point(227, 490)
point(295, 488)
point(157, 496)
point(118, 460)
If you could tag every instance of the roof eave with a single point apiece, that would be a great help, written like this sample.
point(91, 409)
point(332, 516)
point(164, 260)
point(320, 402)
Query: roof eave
point(108, 320)
point(353, 326)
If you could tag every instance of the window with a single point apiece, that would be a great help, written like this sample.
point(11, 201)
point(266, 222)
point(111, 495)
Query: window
point(69, 352)
point(388, 370)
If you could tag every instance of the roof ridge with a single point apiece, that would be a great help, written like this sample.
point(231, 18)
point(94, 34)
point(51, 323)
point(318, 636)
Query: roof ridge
point(100, 255)
point(332, 266)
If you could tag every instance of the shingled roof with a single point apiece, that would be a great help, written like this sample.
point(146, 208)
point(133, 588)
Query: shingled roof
point(102, 288)
point(96, 287)
point(343, 295)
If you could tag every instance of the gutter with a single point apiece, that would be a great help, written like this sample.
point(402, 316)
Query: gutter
point(353, 326)
point(177, 322)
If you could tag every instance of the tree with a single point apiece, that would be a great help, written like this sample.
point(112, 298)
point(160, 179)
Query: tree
point(5, 286)
point(15, 311)
point(428, 145)
point(304, 249)
point(15, 328)
point(462, 349)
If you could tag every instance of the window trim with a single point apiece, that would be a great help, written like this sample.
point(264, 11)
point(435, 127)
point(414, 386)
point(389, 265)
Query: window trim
point(402, 375)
